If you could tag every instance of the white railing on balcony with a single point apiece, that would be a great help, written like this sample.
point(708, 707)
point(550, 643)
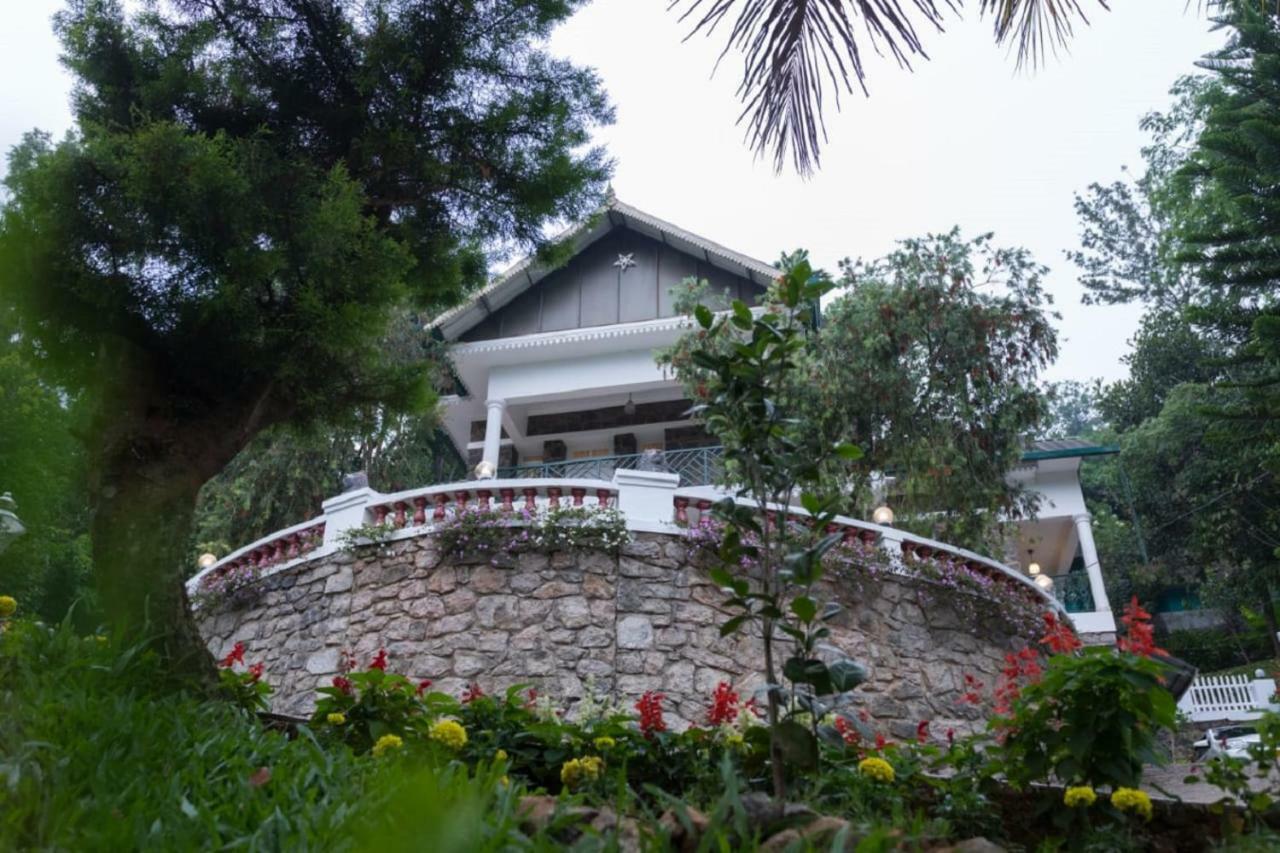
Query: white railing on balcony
point(1214, 698)
point(650, 501)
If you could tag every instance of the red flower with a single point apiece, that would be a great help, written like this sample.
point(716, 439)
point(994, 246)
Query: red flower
point(235, 656)
point(1139, 638)
point(531, 698)
point(972, 688)
point(342, 683)
point(255, 671)
point(751, 706)
point(724, 705)
point(472, 693)
point(922, 731)
point(423, 685)
point(951, 737)
point(881, 743)
point(379, 660)
point(864, 715)
point(348, 662)
point(847, 731)
point(1059, 637)
point(650, 708)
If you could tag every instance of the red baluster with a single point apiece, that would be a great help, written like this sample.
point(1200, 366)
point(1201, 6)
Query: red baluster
point(682, 510)
point(553, 494)
point(401, 516)
point(484, 495)
point(531, 500)
point(602, 497)
point(318, 536)
point(870, 536)
point(278, 552)
point(419, 511)
point(441, 499)
point(461, 498)
point(292, 550)
point(508, 495)
point(262, 557)
point(578, 495)
point(380, 515)
point(832, 527)
point(704, 506)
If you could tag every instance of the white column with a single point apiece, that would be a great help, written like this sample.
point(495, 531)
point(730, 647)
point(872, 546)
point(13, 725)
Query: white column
point(1084, 533)
point(345, 512)
point(493, 433)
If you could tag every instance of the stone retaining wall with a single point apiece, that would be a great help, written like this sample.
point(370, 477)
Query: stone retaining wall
point(646, 619)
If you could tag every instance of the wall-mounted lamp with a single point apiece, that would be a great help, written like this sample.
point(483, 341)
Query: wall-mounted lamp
point(883, 515)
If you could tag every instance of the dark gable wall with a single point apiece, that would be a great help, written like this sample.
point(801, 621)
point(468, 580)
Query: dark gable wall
point(586, 291)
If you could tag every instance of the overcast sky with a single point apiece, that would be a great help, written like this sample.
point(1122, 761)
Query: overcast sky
point(963, 140)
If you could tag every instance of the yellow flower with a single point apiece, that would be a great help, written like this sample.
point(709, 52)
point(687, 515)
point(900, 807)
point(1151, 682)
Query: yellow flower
point(505, 780)
point(604, 742)
point(450, 733)
point(336, 719)
point(500, 755)
point(735, 740)
point(1132, 800)
point(99, 639)
point(1080, 795)
point(8, 606)
point(387, 742)
point(877, 769)
point(578, 770)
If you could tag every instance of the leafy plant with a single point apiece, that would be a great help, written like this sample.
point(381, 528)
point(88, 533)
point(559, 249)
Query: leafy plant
point(769, 567)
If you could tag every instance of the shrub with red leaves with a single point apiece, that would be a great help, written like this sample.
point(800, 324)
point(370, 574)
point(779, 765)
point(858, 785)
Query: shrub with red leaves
point(1059, 636)
point(235, 656)
point(650, 709)
point(724, 705)
point(1139, 638)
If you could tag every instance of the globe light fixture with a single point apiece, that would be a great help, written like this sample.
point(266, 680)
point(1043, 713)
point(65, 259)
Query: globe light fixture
point(1033, 568)
point(485, 470)
point(206, 560)
point(629, 408)
point(1044, 582)
point(882, 515)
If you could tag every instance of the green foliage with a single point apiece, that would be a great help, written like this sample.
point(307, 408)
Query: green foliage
point(251, 193)
point(245, 689)
point(927, 361)
point(1214, 649)
point(1092, 718)
point(744, 365)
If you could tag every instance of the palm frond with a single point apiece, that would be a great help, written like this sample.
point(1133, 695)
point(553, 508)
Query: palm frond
point(795, 50)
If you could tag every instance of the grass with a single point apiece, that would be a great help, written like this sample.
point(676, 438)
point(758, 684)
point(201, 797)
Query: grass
point(91, 758)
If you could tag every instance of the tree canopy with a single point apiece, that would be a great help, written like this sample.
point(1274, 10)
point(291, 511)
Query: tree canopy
point(251, 191)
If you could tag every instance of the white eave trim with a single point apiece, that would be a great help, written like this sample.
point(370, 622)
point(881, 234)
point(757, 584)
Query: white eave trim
point(571, 336)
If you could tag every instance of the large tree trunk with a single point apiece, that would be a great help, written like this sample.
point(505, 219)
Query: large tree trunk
point(144, 508)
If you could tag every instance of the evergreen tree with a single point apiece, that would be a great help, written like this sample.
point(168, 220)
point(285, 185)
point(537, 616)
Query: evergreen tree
point(251, 191)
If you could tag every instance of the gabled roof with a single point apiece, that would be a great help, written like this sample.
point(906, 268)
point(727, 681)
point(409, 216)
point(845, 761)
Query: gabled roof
point(1066, 448)
point(613, 214)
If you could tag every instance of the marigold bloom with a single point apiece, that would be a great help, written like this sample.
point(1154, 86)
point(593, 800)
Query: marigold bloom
point(386, 743)
point(1132, 800)
point(1080, 795)
point(576, 771)
point(1059, 637)
point(877, 769)
point(450, 733)
point(650, 708)
point(235, 656)
point(336, 719)
point(604, 742)
point(8, 606)
point(500, 755)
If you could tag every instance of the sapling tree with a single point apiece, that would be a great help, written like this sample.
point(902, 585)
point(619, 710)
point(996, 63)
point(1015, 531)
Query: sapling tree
point(743, 362)
point(251, 191)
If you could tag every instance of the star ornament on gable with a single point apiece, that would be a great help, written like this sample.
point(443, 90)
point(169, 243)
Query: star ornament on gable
point(625, 262)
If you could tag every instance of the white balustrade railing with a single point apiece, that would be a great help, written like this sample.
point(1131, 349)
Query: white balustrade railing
point(650, 500)
point(1214, 698)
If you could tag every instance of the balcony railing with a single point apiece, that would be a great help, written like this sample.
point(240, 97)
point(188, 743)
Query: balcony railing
point(697, 466)
point(1074, 592)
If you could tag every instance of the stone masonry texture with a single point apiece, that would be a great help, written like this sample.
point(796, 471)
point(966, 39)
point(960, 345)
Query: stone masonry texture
point(645, 619)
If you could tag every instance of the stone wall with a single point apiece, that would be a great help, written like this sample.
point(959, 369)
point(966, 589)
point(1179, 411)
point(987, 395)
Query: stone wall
point(646, 619)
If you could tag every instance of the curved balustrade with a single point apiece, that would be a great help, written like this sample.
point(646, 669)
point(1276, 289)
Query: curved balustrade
point(421, 508)
point(692, 507)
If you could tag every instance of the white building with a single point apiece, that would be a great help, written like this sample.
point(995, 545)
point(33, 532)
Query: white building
point(560, 381)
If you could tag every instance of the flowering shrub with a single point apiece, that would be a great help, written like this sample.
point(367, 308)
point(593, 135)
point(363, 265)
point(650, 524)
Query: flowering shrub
point(8, 606)
point(230, 585)
point(491, 534)
point(877, 769)
point(1132, 800)
point(1079, 796)
point(245, 688)
point(359, 708)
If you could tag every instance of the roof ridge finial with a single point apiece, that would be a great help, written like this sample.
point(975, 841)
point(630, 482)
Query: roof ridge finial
point(609, 195)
